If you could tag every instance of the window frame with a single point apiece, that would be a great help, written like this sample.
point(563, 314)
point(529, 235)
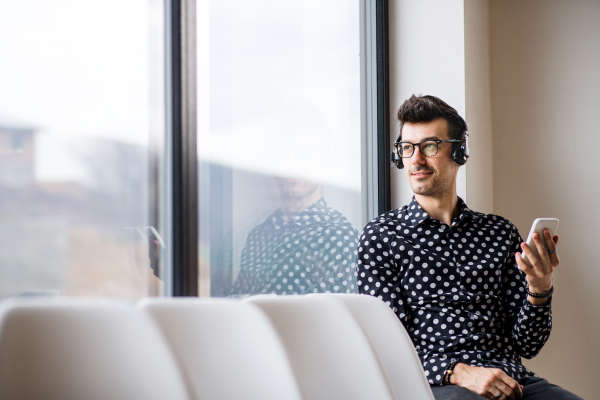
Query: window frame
point(181, 140)
point(181, 146)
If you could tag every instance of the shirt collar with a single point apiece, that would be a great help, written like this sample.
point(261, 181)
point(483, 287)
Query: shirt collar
point(316, 212)
point(415, 214)
point(465, 212)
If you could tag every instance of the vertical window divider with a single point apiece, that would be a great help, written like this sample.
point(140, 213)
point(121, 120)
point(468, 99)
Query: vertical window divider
point(182, 127)
point(383, 107)
point(375, 107)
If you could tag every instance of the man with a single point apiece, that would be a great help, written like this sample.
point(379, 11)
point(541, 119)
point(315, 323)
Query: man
point(305, 246)
point(455, 277)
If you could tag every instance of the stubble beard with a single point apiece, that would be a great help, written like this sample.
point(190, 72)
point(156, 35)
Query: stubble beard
point(437, 187)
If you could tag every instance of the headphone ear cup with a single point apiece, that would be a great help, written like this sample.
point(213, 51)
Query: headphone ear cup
point(465, 147)
point(396, 160)
point(459, 155)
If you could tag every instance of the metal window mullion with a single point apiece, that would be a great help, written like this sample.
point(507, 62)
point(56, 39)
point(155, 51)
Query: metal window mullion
point(383, 108)
point(181, 96)
point(375, 108)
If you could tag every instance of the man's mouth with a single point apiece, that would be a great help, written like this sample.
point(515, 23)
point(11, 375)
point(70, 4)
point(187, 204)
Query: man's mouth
point(421, 174)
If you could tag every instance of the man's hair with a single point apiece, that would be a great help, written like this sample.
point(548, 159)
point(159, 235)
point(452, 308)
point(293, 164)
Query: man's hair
point(419, 109)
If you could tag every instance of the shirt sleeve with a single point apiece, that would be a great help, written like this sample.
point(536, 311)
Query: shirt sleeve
point(530, 324)
point(243, 282)
point(346, 259)
point(337, 259)
point(378, 269)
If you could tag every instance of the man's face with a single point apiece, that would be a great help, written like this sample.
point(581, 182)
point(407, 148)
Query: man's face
point(430, 176)
point(295, 188)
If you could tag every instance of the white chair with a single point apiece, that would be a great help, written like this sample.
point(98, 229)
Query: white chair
point(391, 344)
point(227, 349)
point(74, 349)
point(329, 352)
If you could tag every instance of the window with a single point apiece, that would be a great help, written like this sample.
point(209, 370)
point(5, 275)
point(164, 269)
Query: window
point(279, 145)
point(81, 130)
point(103, 185)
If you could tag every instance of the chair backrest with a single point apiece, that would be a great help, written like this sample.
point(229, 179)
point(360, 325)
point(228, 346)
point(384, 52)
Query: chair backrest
point(77, 349)
point(391, 343)
point(330, 354)
point(227, 348)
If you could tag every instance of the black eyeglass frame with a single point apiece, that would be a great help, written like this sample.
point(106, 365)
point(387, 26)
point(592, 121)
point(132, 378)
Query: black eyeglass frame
point(437, 146)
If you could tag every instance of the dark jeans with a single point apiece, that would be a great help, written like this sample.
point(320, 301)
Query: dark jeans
point(533, 389)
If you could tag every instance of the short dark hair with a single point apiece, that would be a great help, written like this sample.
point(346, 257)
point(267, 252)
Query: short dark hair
point(421, 108)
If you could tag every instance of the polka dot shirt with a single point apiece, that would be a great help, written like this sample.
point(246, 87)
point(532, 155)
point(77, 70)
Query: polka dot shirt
point(457, 289)
point(313, 252)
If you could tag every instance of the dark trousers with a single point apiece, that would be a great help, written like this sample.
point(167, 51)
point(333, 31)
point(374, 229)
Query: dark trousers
point(533, 389)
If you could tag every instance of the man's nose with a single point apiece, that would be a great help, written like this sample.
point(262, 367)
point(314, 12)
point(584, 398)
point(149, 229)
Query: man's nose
point(418, 158)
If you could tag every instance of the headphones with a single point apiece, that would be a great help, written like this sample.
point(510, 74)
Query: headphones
point(460, 151)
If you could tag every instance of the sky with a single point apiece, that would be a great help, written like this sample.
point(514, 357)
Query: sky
point(279, 87)
point(83, 70)
point(76, 70)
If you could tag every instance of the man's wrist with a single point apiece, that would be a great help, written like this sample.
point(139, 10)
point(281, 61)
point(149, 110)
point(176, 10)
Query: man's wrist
point(539, 297)
point(447, 378)
point(538, 302)
point(539, 290)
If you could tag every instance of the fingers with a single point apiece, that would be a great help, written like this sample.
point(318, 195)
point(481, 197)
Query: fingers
point(544, 261)
point(555, 255)
point(551, 245)
point(541, 248)
point(522, 264)
point(513, 385)
point(502, 386)
point(505, 392)
point(491, 383)
point(534, 261)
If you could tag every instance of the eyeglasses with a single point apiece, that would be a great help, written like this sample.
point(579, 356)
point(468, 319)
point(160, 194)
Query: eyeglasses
point(429, 148)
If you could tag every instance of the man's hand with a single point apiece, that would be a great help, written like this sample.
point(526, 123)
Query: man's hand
point(539, 276)
point(491, 383)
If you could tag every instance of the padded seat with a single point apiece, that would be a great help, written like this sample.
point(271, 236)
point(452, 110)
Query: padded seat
point(227, 348)
point(391, 344)
point(330, 354)
point(94, 350)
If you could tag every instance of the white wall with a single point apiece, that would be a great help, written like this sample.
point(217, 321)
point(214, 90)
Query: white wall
point(426, 57)
point(545, 69)
point(480, 174)
point(526, 75)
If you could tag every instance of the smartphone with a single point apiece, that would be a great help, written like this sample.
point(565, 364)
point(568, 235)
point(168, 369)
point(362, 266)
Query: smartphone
point(156, 248)
point(539, 225)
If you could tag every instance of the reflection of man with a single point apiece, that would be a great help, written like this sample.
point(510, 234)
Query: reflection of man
point(455, 277)
point(303, 247)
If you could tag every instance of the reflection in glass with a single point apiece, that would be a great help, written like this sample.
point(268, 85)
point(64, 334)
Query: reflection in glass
point(304, 246)
point(279, 146)
point(78, 165)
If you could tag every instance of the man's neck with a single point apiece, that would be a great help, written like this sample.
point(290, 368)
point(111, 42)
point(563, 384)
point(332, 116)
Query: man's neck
point(444, 208)
point(291, 207)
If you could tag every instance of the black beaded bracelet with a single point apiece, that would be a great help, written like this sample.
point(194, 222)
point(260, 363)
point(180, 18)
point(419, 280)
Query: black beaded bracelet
point(449, 371)
point(540, 296)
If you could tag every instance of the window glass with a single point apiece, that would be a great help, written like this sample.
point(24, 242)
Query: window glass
point(279, 145)
point(81, 115)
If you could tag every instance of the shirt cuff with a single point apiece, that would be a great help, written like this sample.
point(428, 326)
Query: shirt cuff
point(528, 306)
point(435, 369)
